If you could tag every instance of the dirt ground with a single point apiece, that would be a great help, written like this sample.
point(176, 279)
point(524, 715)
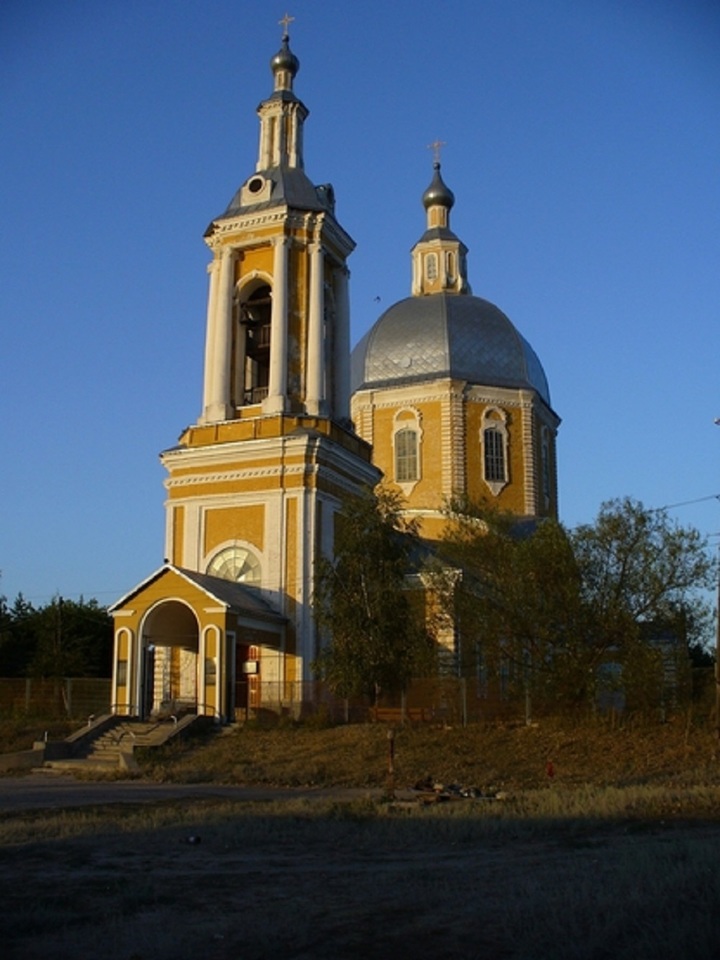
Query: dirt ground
point(305, 866)
point(252, 885)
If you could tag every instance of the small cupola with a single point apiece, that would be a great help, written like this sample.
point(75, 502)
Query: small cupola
point(284, 65)
point(282, 117)
point(438, 197)
point(438, 257)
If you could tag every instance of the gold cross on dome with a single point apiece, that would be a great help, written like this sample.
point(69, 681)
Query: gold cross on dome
point(286, 20)
point(436, 146)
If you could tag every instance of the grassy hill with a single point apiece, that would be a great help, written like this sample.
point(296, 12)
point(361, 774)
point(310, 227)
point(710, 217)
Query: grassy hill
point(501, 756)
point(509, 756)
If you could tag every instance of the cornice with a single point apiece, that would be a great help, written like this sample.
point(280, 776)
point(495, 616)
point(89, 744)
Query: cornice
point(282, 216)
point(328, 458)
point(264, 218)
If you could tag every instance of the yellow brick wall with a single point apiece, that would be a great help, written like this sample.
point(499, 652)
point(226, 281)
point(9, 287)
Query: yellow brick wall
point(235, 523)
point(256, 258)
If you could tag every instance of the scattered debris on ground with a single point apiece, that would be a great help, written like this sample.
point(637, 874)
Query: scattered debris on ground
point(430, 790)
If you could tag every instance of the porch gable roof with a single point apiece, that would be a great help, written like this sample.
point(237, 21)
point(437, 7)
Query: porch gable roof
point(235, 597)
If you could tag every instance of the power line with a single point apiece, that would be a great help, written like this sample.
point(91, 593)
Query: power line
point(687, 503)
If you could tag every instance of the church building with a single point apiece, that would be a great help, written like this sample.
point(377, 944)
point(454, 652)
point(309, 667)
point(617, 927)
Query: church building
point(449, 399)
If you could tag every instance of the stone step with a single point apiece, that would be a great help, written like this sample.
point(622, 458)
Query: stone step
point(114, 747)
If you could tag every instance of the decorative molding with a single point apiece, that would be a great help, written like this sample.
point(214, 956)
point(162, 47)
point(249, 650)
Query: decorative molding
point(238, 475)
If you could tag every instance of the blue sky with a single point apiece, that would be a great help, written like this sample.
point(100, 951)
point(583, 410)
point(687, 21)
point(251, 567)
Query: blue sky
point(583, 148)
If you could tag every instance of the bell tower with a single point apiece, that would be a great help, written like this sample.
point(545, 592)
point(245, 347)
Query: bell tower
point(278, 309)
point(253, 486)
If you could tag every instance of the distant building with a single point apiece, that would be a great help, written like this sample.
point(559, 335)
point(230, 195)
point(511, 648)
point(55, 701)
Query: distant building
point(449, 399)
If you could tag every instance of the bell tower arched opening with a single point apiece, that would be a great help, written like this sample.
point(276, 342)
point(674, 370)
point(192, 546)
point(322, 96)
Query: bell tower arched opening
point(252, 351)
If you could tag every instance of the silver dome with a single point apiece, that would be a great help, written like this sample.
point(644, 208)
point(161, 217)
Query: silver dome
point(285, 59)
point(446, 335)
point(438, 193)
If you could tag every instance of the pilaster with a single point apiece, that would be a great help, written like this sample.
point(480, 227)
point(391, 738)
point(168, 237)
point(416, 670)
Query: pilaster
point(315, 386)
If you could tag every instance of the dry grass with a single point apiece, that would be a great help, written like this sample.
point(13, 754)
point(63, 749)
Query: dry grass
point(19, 734)
point(503, 757)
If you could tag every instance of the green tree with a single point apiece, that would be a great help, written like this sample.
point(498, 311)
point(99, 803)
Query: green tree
point(65, 638)
point(18, 640)
point(373, 624)
point(639, 566)
point(517, 601)
point(644, 575)
point(555, 606)
point(73, 639)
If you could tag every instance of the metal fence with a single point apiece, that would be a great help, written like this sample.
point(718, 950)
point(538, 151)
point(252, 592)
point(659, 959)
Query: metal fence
point(458, 701)
point(440, 700)
point(66, 697)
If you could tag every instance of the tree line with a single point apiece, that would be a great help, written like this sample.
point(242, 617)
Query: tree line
point(530, 609)
point(64, 638)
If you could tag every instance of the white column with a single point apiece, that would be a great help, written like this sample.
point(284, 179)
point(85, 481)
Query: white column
point(341, 359)
point(277, 380)
point(220, 342)
point(315, 386)
point(213, 269)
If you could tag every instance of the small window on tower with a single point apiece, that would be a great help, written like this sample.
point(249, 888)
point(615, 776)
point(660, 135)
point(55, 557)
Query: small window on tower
point(431, 266)
point(450, 266)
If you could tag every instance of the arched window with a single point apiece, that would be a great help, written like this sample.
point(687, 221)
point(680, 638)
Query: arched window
point(253, 347)
point(495, 449)
point(236, 563)
point(407, 448)
point(450, 265)
point(431, 266)
point(406, 456)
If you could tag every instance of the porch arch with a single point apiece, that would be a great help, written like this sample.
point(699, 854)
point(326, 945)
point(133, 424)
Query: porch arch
point(171, 644)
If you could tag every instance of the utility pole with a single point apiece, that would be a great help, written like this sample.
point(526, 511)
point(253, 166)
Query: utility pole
point(717, 654)
point(717, 638)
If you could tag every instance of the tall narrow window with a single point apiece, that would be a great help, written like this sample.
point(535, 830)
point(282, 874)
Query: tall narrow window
point(407, 440)
point(450, 263)
point(546, 466)
point(406, 456)
point(431, 266)
point(494, 438)
point(253, 355)
point(494, 455)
